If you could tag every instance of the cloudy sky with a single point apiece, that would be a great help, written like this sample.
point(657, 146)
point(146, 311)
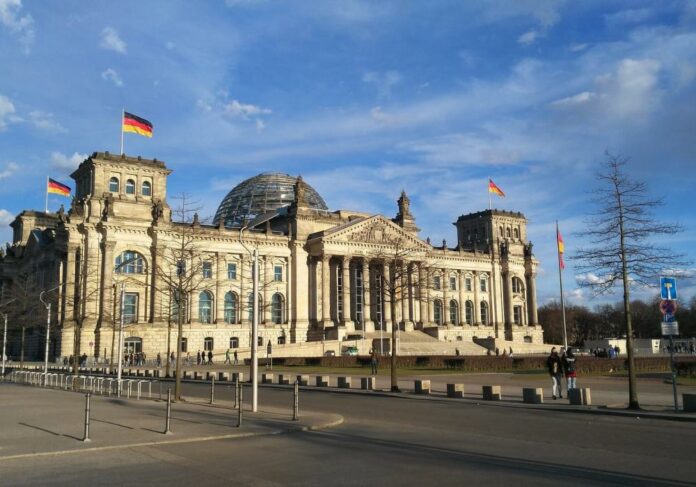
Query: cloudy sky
point(363, 99)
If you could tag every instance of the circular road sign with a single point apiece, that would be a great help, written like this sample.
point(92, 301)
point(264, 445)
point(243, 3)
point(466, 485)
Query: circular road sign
point(668, 306)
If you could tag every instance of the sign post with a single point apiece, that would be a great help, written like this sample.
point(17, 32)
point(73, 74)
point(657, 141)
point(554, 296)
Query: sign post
point(670, 328)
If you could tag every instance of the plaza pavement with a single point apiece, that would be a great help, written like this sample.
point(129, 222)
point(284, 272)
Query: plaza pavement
point(37, 422)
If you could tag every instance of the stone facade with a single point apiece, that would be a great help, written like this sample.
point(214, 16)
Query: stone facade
point(323, 274)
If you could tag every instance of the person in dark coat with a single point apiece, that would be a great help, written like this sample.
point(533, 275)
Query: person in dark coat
point(568, 360)
point(210, 357)
point(555, 368)
point(198, 358)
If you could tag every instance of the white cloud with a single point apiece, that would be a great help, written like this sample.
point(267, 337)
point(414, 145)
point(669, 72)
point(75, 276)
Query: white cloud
point(578, 47)
point(111, 75)
point(9, 170)
point(578, 99)
point(111, 41)
point(5, 217)
point(244, 110)
point(383, 81)
point(20, 25)
point(635, 88)
point(66, 163)
point(44, 121)
point(631, 16)
point(382, 118)
point(260, 125)
point(528, 37)
point(7, 113)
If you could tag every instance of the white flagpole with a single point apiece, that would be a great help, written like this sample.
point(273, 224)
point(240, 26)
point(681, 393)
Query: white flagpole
point(46, 206)
point(123, 114)
point(490, 201)
point(560, 281)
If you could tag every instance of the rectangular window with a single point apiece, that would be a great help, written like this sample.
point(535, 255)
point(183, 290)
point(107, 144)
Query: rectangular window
point(234, 342)
point(184, 344)
point(484, 284)
point(517, 315)
point(180, 268)
point(278, 273)
point(436, 283)
point(207, 270)
point(467, 283)
point(232, 271)
point(130, 308)
point(453, 283)
point(208, 344)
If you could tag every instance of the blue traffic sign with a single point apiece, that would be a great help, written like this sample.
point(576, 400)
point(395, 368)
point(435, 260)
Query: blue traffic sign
point(669, 318)
point(668, 288)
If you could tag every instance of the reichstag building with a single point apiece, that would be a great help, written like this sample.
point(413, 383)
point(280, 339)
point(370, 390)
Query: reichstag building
point(325, 275)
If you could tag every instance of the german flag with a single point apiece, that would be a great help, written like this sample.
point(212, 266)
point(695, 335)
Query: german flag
point(137, 125)
point(492, 188)
point(57, 188)
point(561, 248)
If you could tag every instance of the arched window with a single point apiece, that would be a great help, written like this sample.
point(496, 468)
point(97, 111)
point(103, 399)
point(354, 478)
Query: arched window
point(205, 307)
point(147, 188)
point(500, 231)
point(250, 307)
point(508, 232)
point(517, 285)
point(129, 262)
point(230, 307)
point(469, 312)
point(113, 185)
point(437, 311)
point(176, 301)
point(130, 187)
point(277, 309)
point(484, 313)
point(454, 312)
point(517, 234)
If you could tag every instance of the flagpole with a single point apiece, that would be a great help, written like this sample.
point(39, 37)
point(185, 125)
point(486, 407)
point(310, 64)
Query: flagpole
point(46, 206)
point(560, 281)
point(123, 114)
point(490, 201)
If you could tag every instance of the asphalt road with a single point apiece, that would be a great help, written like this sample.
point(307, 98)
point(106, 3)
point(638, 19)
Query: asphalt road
point(390, 441)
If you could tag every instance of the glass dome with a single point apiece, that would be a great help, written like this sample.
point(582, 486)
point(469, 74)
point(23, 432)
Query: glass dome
point(265, 192)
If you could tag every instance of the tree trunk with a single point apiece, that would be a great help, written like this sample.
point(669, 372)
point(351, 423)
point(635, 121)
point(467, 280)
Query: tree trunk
point(394, 378)
point(180, 329)
point(632, 390)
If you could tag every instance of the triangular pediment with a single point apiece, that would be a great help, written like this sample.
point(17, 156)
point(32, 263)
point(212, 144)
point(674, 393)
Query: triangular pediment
point(376, 230)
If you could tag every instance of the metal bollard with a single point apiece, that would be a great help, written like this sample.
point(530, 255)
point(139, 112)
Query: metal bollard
point(236, 391)
point(240, 405)
point(296, 403)
point(86, 437)
point(167, 431)
point(212, 389)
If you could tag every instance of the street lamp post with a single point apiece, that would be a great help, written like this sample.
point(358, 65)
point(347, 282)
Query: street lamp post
point(119, 356)
point(254, 325)
point(48, 329)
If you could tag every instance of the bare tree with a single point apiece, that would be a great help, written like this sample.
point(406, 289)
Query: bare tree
point(620, 249)
point(179, 267)
point(24, 308)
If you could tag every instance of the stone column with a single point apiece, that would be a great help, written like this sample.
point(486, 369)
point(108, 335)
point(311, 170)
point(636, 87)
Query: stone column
point(387, 296)
point(507, 298)
point(326, 291)
point(70, 290)
point(243, 298)
point(266, 284)
point(106, 291)
point(347, 317)
point(532, 300)
point(477, 302)
point(422, 297)
point(445, 299)
point(367, 309)
point(220, 288)
point(404, 294)
point(462, 299)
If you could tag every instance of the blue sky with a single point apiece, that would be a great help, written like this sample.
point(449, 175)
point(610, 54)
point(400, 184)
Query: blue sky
point(363, 99)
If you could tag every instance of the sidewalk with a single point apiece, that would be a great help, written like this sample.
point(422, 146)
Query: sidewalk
point(36, 421)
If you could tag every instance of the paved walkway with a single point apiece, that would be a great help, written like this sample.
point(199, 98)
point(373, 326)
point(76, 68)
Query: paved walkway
point(36, 421)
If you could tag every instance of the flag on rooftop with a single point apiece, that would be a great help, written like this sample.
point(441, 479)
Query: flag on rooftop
point(136, 124)
point(493, 188)
point(55, 187)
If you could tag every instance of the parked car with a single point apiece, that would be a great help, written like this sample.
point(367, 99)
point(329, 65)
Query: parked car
point(329, 353)
point(350, 351)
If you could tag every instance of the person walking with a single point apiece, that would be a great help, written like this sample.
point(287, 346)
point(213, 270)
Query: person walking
point(568, 360)
point(210, 357)
point(159, 360)
point(198, 358)
point(373, 361)
point(236, 358)
point(555, 368)
point(227, 357)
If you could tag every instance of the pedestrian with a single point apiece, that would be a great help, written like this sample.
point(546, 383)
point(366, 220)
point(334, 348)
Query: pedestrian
point(555, 368)
point(568, 360)
point(188, 359)
point(210, 357)
point(198, 358)
point(227, 357)
point(159, 360)
point(171, 358)
point(373, 361)
point(510, 352)
point(236, 361)
point(456, 352)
